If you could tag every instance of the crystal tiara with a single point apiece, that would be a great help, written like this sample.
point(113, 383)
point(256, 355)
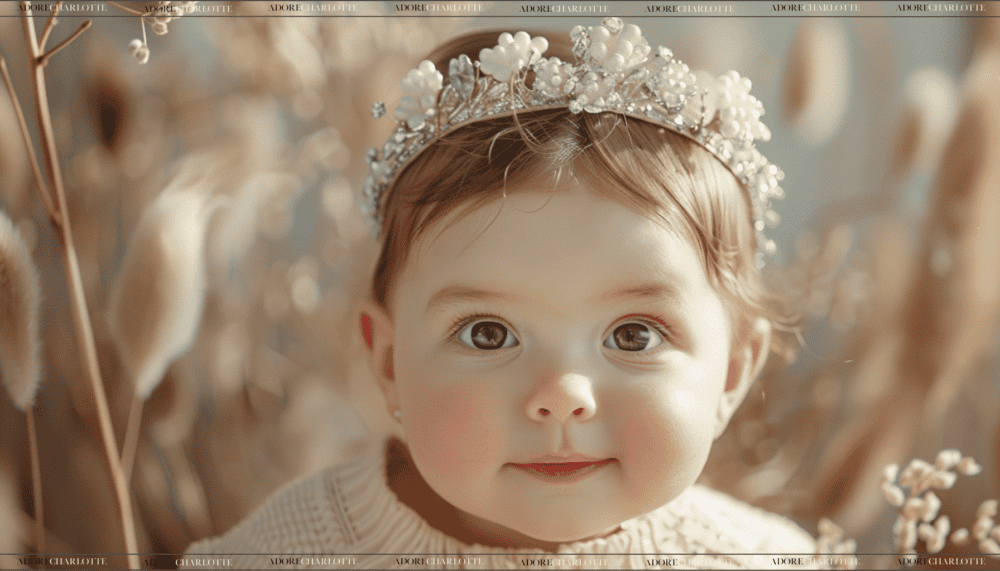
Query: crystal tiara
point(615, 71)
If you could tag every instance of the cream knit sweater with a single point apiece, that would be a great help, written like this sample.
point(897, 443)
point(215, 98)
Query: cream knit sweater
point(347, 517)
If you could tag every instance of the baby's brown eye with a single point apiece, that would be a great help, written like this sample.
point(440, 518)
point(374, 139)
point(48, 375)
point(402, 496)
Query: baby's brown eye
point(633, 337)
point(487, 336)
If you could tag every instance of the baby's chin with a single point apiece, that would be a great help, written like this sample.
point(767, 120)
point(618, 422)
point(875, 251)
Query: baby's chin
point(558, 535)
point(545, 532)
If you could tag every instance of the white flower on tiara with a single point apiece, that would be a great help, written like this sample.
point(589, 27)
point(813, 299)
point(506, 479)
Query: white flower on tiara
point(511, 55)
point(420, 90)
point(674, 84)
point(551, 76)
point(593, 92)
point(739, 111)
point(617, 48)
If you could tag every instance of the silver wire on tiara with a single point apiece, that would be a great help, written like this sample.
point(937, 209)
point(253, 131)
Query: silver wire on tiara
point(614, 72)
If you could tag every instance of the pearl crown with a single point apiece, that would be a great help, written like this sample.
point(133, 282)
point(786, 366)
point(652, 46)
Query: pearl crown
point(615, 71)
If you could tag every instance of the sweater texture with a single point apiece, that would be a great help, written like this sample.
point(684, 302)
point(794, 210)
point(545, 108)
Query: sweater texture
point(348, 517)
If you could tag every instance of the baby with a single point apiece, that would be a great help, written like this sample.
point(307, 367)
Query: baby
point(565, 314)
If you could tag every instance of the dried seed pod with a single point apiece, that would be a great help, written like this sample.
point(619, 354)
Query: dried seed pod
point(156, 300)
point(932, 504)
point(926, 532)
point(906, 540)
point(936, 543)
point(940, 534)
point(916, 471)
point(893, 494)
point(981, 529)
point(960, 537)
point(943, 525)
point(968, 467)
point(20, 305)
point(139, 50)
point(942, 480)
point(948, 459)
point(890, 472)
point(987, 509)
point(913, 508)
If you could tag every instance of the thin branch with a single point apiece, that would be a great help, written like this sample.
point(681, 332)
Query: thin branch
point(78, 299)
point(36, 482)
point(49, 24)
point(36, 478)
point(125, 9)
point(132, 436)
point(42, 186)
point(83, 28)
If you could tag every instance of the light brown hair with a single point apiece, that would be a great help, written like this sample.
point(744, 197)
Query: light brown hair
point(639, 164)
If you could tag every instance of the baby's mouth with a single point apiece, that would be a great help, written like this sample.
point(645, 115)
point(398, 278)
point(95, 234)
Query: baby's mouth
point(562, 472)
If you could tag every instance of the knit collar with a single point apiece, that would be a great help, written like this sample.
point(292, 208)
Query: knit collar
point(686, 527)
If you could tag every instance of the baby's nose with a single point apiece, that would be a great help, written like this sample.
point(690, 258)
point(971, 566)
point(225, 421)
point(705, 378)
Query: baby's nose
point(569, 396)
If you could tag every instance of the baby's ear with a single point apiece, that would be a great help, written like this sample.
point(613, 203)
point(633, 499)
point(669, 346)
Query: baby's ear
point(377, 337)
point(746, 362)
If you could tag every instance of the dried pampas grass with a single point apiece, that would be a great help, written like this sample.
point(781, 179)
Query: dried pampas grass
point(931, 107)
point(20, 304)
point(817, 82)
point(21, 346)
point(157, 298)
point(237, 230)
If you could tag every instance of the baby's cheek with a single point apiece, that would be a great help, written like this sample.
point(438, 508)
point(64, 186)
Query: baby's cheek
point(453, 430)
point(663, 445)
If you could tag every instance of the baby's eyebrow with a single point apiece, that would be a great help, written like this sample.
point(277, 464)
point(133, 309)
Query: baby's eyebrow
point(456, 294)
point(657, 290)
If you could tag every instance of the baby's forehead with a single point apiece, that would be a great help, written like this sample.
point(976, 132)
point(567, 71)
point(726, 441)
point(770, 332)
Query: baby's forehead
point(573, 237)
point(589, 203)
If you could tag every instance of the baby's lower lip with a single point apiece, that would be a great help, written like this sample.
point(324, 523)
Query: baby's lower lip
point(562, 472)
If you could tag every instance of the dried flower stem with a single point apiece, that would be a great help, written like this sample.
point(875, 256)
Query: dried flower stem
point(132, 436)
point(43, 60)
point(124, 8)
point(49, 24)
point(78, 300)
point(42, 187)
point(36, 481)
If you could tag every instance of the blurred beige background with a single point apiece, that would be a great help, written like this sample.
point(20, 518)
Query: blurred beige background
point(887, 129)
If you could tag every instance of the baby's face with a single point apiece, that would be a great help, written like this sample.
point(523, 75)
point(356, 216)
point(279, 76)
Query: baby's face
point(559, 361)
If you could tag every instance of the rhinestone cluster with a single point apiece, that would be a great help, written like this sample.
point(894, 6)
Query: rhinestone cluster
point(614, 72)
